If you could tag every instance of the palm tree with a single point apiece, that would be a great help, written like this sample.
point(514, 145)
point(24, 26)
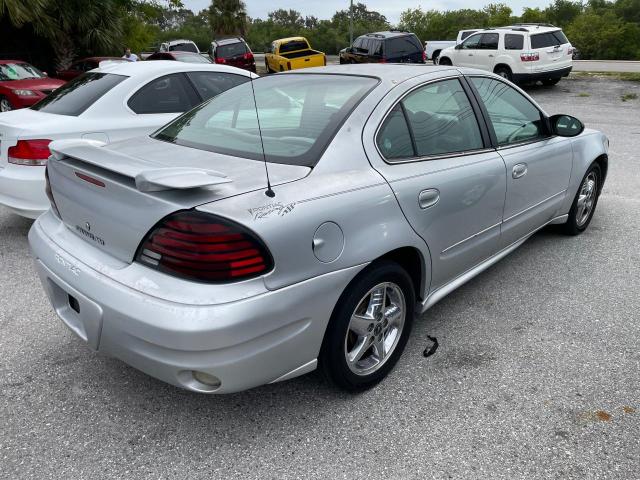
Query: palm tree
point(228, 17)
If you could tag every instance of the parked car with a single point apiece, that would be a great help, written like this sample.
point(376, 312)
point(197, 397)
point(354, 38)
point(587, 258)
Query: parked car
point(521, 53)
point(234, 52)
point(177, 55)
point(78, 67)
point(292, 54)
point(381, 47)
point(172, 253)
point(22, 85)
point(105, 105)
point(179, 45)
point(433, 48)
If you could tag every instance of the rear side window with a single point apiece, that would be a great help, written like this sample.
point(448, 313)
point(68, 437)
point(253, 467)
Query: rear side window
point(168, 94)
point(489, 41)
point(394, 139)
point(231, 50)
point(210, 84)
point(397, 47)
point(514, 118)
point(440, 120)
point(549, 39)
point(75, 97)
point(513, 42)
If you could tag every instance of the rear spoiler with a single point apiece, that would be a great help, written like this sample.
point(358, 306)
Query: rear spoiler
point(148, 176)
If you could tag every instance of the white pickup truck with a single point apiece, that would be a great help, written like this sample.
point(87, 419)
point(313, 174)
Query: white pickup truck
point(433, 48)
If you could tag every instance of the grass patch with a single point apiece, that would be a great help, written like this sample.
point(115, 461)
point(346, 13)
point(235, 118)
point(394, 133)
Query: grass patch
point(628, 76)
point(584, 94)
point(628, 96)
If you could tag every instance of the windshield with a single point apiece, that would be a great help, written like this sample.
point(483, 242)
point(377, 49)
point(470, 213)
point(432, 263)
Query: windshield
point(76, 96)
point(18, 71)
point(183, 47)
point(191, 58)
point(299, 114)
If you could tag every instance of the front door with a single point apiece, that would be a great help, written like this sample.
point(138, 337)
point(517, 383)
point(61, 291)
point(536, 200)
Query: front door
point(431, 150)
point(538, 165)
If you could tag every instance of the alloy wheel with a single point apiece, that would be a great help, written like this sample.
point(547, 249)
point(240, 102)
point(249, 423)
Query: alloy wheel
point(375, 328)
point(5, 106)
point(586, 199)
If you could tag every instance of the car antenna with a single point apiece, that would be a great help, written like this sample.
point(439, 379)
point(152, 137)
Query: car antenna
point(269, 193)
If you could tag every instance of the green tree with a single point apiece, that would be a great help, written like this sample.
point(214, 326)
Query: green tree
point(605, 36)
point(228, 17)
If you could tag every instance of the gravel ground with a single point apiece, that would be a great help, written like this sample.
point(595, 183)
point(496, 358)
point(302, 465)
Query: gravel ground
point(537, 374)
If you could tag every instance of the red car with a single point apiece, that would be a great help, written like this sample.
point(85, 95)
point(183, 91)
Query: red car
point(78, 67)
point(188, 57)
point(233, 51)
point(22, 85)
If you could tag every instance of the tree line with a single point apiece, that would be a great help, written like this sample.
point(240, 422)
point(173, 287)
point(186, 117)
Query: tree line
point(600, 29)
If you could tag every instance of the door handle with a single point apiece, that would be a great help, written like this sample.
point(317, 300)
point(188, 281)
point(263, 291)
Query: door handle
point(471, 54)
point(428, 198)
point(519, 170)
point(490, 55)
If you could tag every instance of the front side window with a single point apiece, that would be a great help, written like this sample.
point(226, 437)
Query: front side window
point(74, 97)
point(489, 41)
point(210, 84)
point(513, 42)
point(514, 118)
point(466, 34)
point(298, 114)
point(439, 119)
point(472, 43)
point(168, 94)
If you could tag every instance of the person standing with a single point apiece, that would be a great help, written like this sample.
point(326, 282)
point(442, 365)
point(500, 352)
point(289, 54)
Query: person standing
point(132, 57)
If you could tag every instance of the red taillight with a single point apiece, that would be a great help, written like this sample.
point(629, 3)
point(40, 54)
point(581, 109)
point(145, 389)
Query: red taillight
point(529, 57)
point(383, 60)
point(220, 60)
point(47, 189)
point(205, 248)
point(424, 56)
point(248, 56)
point(30, 152)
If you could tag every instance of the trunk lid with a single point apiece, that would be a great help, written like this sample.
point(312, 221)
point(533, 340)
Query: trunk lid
point(97, 188)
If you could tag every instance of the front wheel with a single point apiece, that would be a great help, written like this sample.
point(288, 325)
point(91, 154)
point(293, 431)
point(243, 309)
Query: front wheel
point(584, 203)
point(5, 105)
point(369, 327)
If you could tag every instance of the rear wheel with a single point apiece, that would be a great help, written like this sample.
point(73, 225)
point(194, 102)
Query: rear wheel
point(369, 327)
point(550, 82)
point(444, 61)
point(435, 57)
point(5, 105)
point(504, 72)
point(584, 203)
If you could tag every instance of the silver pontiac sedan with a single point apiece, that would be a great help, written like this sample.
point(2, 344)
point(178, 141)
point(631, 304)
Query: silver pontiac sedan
point(249, 242)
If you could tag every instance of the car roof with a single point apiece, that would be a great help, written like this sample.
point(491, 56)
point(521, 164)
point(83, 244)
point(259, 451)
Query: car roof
point(225, 41)
point(387, 72)
point(179, 41)
point(6, 62)
point(388, 34)
point(529, 27)
point(159, 67)
point(290, 39)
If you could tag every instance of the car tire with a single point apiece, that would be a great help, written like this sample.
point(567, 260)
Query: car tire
point(435, 57)
point(584, 203)
point(549, 82)
point(504, 72)
point(382, 340)
point(444, 61)
point(5, 104)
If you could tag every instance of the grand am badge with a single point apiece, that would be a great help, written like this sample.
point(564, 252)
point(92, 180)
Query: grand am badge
point(273, 209)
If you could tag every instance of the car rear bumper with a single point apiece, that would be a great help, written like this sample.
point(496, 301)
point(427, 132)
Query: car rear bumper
point(22, 190)
point(535, 76)
point(262, 339)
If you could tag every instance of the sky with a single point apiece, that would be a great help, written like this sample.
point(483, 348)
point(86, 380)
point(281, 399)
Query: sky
point(324, 9)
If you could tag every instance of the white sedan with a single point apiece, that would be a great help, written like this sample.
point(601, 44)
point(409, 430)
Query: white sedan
point(107, 104)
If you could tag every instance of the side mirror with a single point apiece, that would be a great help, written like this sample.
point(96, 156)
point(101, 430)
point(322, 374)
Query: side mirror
point(566, 125)
point(458, 46)
point(45, 74)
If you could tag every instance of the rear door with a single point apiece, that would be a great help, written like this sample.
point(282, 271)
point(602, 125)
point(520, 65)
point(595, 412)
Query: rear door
point(538, 164)
point(449, 183)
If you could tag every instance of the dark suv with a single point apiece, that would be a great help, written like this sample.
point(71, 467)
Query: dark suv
point(233, 51)
point(382, 47)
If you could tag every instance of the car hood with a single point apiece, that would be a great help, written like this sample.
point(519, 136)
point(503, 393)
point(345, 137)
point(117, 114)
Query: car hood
point(33, 84)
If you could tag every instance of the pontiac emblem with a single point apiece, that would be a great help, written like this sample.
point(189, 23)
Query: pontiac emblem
point(87, 225)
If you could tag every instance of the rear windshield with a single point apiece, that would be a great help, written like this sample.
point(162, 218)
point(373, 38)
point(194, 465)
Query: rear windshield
point(184, 47)
point(298, 113)
point(396, 47)
point(231, 50)
point(75, 97)
point(549, 39)
point(293, 46)
point(192, 58)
